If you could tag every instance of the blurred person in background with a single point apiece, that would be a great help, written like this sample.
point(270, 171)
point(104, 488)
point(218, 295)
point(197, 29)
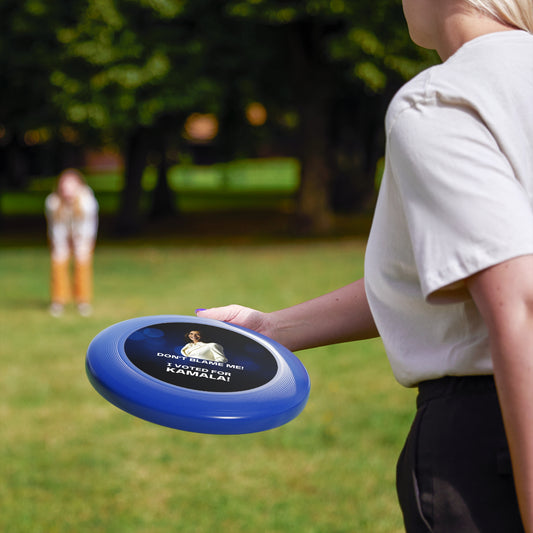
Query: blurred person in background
point(72, 219)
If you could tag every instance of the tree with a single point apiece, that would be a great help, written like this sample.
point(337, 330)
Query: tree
point(131, 71)
point(119, 76)
point(135, 69)
point(335, 64)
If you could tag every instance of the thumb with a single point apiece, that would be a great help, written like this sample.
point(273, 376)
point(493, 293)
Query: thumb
point(236, 314)
point(226, 313)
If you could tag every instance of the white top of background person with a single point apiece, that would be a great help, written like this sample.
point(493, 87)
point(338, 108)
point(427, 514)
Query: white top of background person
point(72, 214)
point(469, 181)
point(72, 220)
point(203, 350)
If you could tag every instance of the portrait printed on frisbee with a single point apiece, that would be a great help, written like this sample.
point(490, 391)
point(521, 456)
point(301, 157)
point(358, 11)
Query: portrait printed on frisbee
point(199, 349)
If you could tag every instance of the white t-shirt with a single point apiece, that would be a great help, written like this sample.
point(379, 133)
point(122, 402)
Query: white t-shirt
point(456, 198)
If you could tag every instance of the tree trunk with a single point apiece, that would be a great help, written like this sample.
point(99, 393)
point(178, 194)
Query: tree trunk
point(163, 199)
point(311, 82)
point(357, 144)
point(314, 212)
point(17, 164)
point(129, 220)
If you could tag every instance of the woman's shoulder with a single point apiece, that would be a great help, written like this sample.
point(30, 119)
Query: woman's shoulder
point(412, 94)
point(470, 79)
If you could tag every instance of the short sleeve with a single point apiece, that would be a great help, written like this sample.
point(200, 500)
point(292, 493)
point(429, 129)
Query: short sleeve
point(464, 206)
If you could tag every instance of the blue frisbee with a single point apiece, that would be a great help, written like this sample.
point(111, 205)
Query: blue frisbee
point(197, 374)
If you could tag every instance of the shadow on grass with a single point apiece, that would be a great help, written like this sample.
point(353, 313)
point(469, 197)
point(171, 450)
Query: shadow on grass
point(200, 228)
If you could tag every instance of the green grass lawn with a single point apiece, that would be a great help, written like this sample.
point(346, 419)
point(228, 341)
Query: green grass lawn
point(71, 462)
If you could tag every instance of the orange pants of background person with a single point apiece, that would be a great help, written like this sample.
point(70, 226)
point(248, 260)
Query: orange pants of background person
point(77, 285)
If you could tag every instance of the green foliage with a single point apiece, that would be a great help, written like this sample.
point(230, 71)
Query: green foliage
point(28, 51)
point(128, 62)
point(283, 12)
point(110, 64)
point(368, 39)
point(72, 462)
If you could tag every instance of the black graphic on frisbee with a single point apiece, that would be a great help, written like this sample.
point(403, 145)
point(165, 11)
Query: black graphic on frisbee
point(183, 354)
point(197, 374)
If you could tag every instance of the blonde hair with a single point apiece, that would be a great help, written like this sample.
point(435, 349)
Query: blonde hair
point(515, 13)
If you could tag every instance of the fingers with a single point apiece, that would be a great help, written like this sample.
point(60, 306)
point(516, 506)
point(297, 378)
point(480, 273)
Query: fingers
point(235, 314)
point(228, 313)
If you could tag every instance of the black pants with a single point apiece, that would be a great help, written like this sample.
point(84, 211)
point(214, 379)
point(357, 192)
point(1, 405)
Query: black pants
point(454, 473)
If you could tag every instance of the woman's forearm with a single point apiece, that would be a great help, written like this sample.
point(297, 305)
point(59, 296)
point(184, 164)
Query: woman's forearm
point(339, 316)
point(513, 370)
point(504, 296)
